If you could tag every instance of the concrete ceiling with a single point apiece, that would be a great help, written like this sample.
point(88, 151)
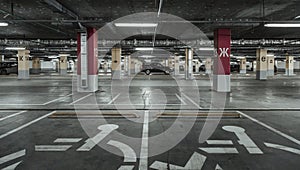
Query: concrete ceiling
point(20, 14)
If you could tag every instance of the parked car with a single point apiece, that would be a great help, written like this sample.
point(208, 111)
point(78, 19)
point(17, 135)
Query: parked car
point(155, 67)
point(8, 68)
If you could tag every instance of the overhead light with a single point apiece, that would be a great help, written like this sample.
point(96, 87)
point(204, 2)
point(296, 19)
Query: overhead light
point(3, 24)
point(135, 24)
point(144, 49)
point(206, 49)
point(15, 48)
point(147, 56)
point(283, 25)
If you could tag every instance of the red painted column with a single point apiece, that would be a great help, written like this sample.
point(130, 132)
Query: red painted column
point(87, 73)
point(221, 78)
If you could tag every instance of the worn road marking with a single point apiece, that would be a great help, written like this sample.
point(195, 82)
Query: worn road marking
point(67, 140)
point(284, 148)
point(81, 98)
point(92, 142)
point(244, 139)
point(271, 128)
point(57, 99)
point(195, 162)
point(218, 150)
point(144, 146)
point(182, 101)
point(12, 156)
point(219, 142)
point(126, 167)
point(192, 101)
point(128, 152)
point(52, 148)
point(25, 125)
point(12, 167)
point(112, 100)
point(12, 115)
point(218, 167)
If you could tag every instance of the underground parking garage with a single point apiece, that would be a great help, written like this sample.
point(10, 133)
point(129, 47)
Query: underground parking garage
point(149, 84)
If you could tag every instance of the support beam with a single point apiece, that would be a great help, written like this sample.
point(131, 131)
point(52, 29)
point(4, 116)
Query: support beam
point(36, 65)
point(271, 63)
point(176, 66)
point(208, 64)
point(23, 64)
point(188, 64)
point(261, 64)
point(63, 64)
point(289, 66)
point(243, 65)
point(116, 63)
point(221, 77)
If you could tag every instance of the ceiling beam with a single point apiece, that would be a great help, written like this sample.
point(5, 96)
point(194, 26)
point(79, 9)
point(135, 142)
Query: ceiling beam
point(61, 8)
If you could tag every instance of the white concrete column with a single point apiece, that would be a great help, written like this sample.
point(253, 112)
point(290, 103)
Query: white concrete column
point(126, 65)
point(261, 64)
point(176, 65)
point(271, 63)
point(208, 64)
point(254, 66)
point(23, 64)
point(36, 65)
point(132, 66)
point(1, 58)
point(188, 64)
point(289, 66)
point(63, 64)
point(116, 63)
point(197, 66)
point(243, 66)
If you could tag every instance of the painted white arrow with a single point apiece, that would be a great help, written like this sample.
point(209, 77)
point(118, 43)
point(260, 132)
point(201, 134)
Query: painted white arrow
point(218, 167)
point(128, 152)
point(92, 142)
point(195, 162)
point(11, 157)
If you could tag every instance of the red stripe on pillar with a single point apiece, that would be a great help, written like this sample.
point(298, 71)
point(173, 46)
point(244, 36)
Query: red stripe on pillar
point(78, 53)
point(222, 41)
point(92, 44)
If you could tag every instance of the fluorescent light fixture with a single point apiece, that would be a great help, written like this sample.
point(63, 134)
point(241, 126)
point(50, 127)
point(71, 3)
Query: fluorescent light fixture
point(15, 48)
point(135, 24)
point(206, 49)
point(147, 56)
point(283, 25)
point(144, 49)
point(3, 24)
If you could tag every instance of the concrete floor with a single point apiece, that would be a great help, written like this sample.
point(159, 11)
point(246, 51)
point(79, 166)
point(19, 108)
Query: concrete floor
point(270, 116)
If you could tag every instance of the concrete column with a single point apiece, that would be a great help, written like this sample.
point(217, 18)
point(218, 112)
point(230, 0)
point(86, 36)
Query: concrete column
point(254, 66)
point(221, 77)
point(243, 66)
point(23, 64)
point(132, 66)
point(126, 65)
point(261, 64)
point(176, 65)
point(170, 62)
point(137, 67)
point(289, 66)
point(197, 66)
point(271, 63)
point(1, 58)
point(63, 64)
point(36, 65)
point(87, 63)
point(188, 63)
point(208, 64)
point(116, 63)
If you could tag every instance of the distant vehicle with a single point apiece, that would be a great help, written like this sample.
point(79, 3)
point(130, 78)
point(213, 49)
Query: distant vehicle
point(234, 67)
point(155, 67)
point(7, 68)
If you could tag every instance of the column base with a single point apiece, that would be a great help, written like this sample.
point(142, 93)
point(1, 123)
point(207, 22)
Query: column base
point(243, 71)
point(23, 74)
point(207, 71)
point(289, 72)
point(92, 84)
point(270, 73)
point(261, 75)
point(115, 75)
point(63, 72)
point(221, 83)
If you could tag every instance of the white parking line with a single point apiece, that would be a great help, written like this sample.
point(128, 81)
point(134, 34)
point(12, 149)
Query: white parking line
point(115, 98)
point(219, 142)
point(52, 148)
point(220, 150)
point(271, 128)
point(57, 99)
point(81, 99)
point(182, 101)
point(12, 115)
point(25, 125)
point(284, 148)
point(12, 167)
point(67, 140)
point(144, 146)
point(12, 156)
point(192, 101)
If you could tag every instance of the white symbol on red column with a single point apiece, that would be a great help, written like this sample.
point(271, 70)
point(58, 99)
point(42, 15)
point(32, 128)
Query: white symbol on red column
point(224, 52)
